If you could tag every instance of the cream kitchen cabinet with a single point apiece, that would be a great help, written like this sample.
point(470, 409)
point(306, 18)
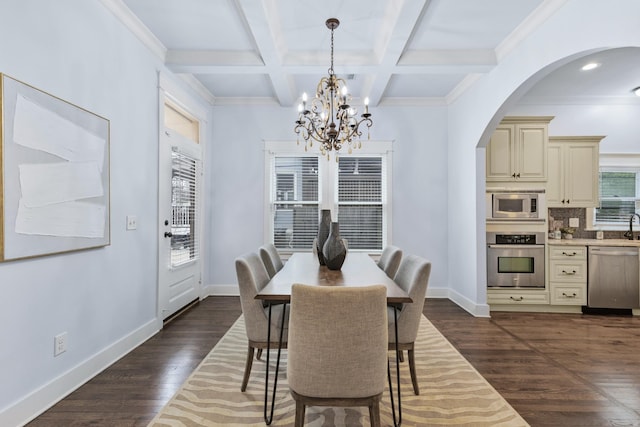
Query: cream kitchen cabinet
point(568, 275)
point(573, 171)
point(514, 297)
point(517, 150)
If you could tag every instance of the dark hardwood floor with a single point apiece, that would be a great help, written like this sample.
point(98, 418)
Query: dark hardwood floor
point(554, 369)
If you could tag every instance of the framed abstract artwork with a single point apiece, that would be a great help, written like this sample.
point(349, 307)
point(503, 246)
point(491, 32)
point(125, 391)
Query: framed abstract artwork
point(54, 164)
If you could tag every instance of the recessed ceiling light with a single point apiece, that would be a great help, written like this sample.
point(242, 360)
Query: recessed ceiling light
point(636, 91)
point(590, 66)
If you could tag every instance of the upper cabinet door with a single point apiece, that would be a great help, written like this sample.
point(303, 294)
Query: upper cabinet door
point(573, 178)
point(517, 150)
point(532, 152)
point(500, 154)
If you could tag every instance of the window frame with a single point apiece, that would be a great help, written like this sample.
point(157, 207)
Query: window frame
point(613, 162)
point(328, 183)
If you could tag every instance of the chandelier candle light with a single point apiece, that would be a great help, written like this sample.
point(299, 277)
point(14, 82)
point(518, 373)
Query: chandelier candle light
point(317, 117)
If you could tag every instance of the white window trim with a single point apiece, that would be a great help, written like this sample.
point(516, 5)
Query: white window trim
point(328, 182)
point(613, 162)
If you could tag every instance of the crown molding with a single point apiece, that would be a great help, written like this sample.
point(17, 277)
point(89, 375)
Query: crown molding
point(129, 20)
point(579, 100)
point(528, 26)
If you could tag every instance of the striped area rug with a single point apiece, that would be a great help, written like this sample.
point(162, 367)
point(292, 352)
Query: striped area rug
point(452, 392)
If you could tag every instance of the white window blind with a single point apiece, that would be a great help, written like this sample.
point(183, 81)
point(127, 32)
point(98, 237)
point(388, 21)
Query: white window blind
point(361, 201)
point(185, 179)
point(619, 196)
point(295, 201)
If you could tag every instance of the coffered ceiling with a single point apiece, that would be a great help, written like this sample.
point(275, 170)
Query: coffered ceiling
point(396, 52)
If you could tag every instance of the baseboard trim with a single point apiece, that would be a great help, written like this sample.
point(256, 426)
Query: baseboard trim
point(37, 402)
point(473, 308)
point(477, 310)
point(220, 291)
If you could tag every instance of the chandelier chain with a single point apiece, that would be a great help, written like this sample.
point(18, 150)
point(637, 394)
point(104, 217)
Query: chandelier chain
point(331, 72)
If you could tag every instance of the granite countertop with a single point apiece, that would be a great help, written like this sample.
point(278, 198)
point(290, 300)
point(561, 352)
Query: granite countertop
point(594, 242)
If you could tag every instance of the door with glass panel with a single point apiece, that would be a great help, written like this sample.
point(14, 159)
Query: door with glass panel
point(179, 199)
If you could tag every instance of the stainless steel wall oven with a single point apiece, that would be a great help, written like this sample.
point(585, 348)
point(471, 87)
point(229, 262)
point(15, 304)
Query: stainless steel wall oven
point(515, 260)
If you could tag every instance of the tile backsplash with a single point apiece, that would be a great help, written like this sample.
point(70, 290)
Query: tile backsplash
point(563, 215)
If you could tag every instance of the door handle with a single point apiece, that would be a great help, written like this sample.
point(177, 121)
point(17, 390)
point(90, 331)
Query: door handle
point(168, 234)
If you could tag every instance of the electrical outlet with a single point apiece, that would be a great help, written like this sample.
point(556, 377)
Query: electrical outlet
point(132, 222)
point(574, 222)
point(59, 344)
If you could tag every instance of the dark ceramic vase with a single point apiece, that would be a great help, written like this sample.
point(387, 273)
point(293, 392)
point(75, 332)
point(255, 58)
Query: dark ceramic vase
point(323, 233)
point(334, 249)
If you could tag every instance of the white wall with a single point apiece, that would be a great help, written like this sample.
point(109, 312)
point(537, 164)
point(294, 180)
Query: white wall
point(237, 195)
point(579, 27)
point(619, 123)
point(105, 299)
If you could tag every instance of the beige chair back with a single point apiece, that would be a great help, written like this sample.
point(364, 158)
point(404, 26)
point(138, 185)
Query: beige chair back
point(271, 259)
point(390, 260)
point(337, 341)
point(413, 277)
point(252, 277)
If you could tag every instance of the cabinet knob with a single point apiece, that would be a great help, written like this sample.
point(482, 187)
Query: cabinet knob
point(518, 175)
point(514, 175)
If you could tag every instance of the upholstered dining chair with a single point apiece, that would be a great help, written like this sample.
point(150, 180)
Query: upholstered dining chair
point(390, 260)
point(252, 277)
point(271, 259)
point(413, 277)
point(337, 349)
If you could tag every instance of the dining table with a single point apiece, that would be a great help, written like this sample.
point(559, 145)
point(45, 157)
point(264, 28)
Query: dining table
point(359, 269)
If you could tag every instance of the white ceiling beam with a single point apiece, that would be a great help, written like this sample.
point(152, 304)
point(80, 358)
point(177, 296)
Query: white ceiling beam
point(400, 20)
point(213, 58)
point(264, 24)
point(202, 67)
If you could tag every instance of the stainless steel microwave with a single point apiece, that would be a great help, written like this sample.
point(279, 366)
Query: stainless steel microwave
point(516, 205)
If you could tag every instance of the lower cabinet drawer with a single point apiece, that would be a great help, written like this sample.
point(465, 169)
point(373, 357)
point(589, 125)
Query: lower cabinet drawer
point(514, 297)
point(575, 271)
point(563, 294)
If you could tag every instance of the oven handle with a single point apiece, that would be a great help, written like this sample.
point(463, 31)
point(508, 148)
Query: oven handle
point(498, 246)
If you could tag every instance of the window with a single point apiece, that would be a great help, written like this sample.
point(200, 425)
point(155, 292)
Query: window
point(295, 201)
point(355, 188)
point(184, 201)
point(619, 196)
point(360, 201)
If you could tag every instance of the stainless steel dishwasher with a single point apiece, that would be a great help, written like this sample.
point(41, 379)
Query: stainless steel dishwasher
point(614, 277)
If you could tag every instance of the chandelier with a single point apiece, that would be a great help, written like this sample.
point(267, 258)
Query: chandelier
point(328, 118)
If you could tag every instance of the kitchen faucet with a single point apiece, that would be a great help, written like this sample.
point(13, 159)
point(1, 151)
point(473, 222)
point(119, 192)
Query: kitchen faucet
point(629, 233)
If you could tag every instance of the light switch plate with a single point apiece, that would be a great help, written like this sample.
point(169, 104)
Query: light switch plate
point(574, 222)
point(132, 222)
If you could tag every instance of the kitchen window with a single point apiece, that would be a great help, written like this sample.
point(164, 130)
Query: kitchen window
point(618, 196)
point(355, 188)
point(619, 183)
